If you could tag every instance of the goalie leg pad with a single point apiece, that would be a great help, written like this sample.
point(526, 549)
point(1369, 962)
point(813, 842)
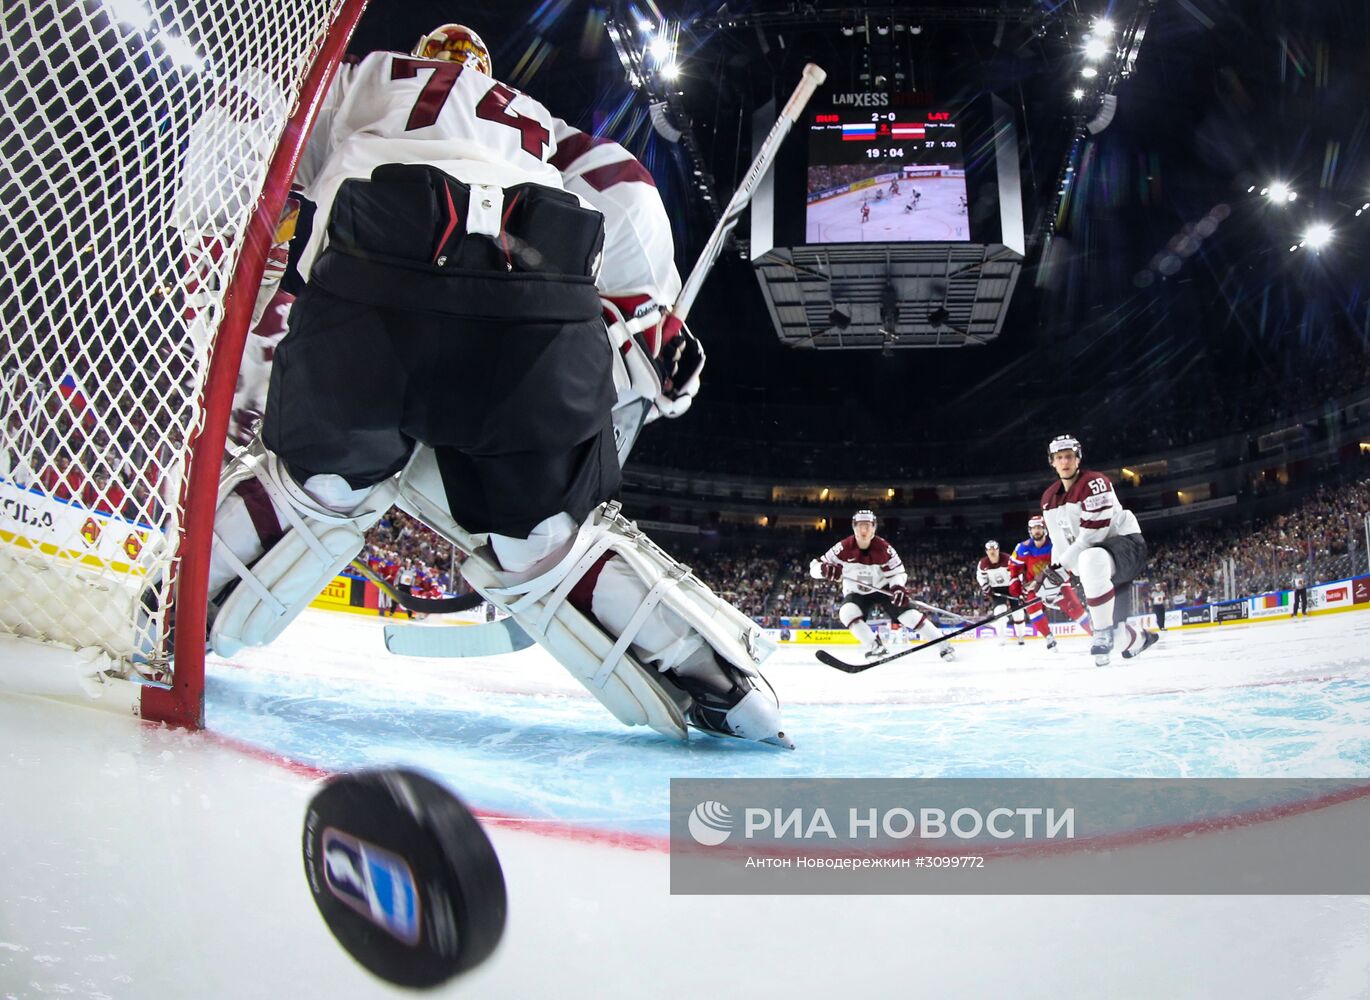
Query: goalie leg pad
point(657, 647)
point(274, 586)
point(539, 601)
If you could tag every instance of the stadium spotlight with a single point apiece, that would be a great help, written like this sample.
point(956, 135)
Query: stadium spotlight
point(1103, 27)
point(1077, 93)
point(1096, 49)
point(848, 30)
point(1319, 234)
point(1089, 72)
point(1277, 192)
point(660, 48)
point(670, 71)
point(645, 27)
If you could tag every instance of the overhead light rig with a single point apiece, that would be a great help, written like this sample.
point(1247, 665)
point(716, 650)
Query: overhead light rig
point(648, 52)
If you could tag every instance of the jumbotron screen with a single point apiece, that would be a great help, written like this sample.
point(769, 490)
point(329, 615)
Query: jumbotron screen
point(887, 176)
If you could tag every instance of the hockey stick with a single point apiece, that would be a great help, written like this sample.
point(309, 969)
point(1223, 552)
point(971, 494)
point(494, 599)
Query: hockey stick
point(486, 639)
point(920, 605)
point(630, 416)
point(423, 605)
point(828, 659)
point(809, 81)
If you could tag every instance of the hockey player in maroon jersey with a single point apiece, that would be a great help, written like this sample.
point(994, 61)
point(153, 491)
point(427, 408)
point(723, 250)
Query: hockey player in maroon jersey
point(1096, 538)
point(872, 576)
point(484, 280)
point(865, 212)
point(994, 575)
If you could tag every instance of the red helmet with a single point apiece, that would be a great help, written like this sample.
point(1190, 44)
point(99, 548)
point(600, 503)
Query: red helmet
point(455, 43)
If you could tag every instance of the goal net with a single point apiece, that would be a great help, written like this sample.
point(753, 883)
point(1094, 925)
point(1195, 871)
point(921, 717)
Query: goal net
point(147, 147)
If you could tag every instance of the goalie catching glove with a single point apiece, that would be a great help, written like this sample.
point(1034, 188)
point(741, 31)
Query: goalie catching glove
point(663, 358)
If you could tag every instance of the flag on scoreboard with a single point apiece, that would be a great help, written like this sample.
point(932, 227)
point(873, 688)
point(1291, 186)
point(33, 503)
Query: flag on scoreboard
point(864, 130)
point(907, 131)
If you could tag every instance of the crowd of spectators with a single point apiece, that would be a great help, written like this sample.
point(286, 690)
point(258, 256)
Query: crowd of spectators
point(399, 548)
point(1322, 537)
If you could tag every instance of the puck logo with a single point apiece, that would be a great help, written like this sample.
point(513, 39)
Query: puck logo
point(377, 884)
point(710, 823)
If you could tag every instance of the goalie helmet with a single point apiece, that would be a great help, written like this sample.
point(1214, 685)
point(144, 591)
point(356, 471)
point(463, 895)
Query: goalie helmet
point(455, 43)
point(867, 516)
point(1064, 442)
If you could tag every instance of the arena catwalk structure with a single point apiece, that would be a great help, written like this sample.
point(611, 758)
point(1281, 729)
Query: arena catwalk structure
point(154, 803)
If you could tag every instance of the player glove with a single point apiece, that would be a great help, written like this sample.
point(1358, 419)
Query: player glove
point(1049, 587)
point(901, 596)
point(832, 571)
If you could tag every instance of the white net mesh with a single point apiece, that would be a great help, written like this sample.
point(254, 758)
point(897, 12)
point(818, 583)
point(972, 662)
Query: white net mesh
point(136, 139)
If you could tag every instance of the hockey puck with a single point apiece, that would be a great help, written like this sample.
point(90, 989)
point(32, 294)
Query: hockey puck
point(403, 875)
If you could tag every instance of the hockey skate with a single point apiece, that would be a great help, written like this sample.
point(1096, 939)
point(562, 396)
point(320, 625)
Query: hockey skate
point(1102, 646)
point(1051, 642)
point(1139, 641)
point(877, 649)
point(947, 654)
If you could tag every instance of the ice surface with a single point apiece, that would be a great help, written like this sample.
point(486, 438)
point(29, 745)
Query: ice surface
point(144, 862)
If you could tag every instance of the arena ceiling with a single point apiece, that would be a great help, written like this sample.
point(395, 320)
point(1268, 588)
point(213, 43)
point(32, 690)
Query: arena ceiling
point(1155, 248)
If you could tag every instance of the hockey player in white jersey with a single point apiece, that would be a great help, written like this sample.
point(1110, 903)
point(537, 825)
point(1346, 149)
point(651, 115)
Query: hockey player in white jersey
point(872, 576)
point(994, 575)
point(486, 280)
point(1095, 537)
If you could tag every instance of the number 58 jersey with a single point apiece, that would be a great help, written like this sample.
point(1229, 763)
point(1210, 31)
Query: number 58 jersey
point(1084, 515)
point(395, 108)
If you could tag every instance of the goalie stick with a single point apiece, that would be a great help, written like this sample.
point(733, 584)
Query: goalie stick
point(827, 659)
point(486, 639)
point(631, 416)
point(812, 76)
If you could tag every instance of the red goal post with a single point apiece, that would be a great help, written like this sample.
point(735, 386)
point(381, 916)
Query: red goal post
point(114, 397)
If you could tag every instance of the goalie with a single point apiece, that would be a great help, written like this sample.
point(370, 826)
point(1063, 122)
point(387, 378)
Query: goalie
point(448, 354)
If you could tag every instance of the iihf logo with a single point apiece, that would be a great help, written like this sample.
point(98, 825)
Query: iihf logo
point(710, 823)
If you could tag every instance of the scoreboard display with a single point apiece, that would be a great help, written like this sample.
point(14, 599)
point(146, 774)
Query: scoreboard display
point(885, 175)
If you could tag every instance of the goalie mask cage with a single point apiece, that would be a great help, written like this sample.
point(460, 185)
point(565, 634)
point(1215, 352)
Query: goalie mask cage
point(114, 397)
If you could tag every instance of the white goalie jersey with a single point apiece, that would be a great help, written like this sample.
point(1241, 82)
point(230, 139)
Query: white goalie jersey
point(395, 108)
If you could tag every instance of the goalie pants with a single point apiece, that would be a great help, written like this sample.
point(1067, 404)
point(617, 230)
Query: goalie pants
point(518, 412)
